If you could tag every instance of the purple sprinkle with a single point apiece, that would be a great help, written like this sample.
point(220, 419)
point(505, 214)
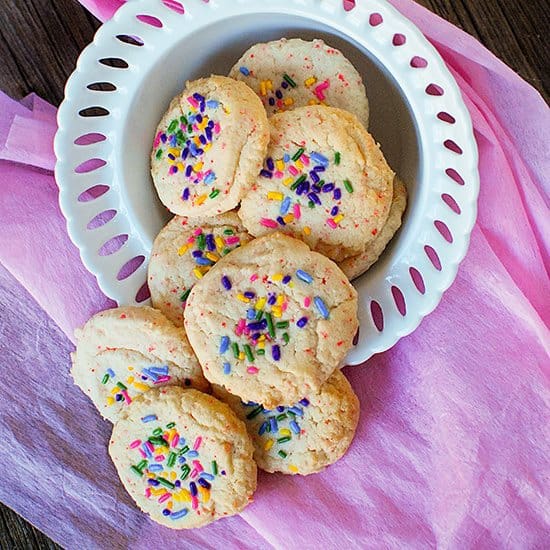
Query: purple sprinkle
point(177, 483)
point(166, 512)
point(171, 156)
point(224, 473)
point(280, 408)
point(272, 299)
point(204, 483)
point(337, 194)
point(280, 220)
point(328, 187)
point(263, 428)
point(256, 335)
point(185, 195)
point(197, 253)
point(270, 165)
point(226, 282)
point(200, 152)
point(185, 153)
point(334, 211)
point(313, 175)
point(193, 489)
point(266, 174)
point(313, 197)
point(210, 244)
point(188, 170)
point(304, 402)
point(302, 322)
point(249, 294)
point(153, 482)
point(118, 397)
point(258, 325)
point(284, 84)
point(208, 134)
point(296, 410)
point(286, 279)
point(319, 168)
point(199, 118)
point(198, 97)
point(276, 352)
point(173, 169)
point(271, 101)
point(273, 424)
point(163, 138)
point(279, 94)
point(202, 139)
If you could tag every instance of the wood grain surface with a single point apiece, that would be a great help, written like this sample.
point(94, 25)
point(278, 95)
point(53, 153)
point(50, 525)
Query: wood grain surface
point(40, 41)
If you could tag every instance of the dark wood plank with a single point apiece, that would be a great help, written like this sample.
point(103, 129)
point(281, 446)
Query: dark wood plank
point(40, 42)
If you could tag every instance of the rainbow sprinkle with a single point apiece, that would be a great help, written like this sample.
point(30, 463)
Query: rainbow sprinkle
point(185, 142)
point(173, 473)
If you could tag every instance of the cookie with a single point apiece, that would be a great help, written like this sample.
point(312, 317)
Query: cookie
point(183, 252)
point(357, 265)
point(272, 320)
point(324, 181)
point(306, 437)
point(294, 73)
point(124, 352)
point(184, 457)
point(208, 146)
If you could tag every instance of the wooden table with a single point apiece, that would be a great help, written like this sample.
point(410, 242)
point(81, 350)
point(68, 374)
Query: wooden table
point(40, 42)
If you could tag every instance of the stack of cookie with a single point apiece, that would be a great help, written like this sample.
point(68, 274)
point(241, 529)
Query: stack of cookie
point(237, 363)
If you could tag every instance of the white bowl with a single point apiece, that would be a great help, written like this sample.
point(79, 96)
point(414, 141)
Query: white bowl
point(417, 115)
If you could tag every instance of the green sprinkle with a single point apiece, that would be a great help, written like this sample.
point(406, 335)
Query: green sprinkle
point(180, 138)
point(268, 428)
point(185, 295)
point(105, 379)
point(183, 120)
point(165, 482)
point(235, 348)
point(142, 464)
point(228, 232)
point(189, 128)
point(282, 454)
point(286, 338)
point(214, 194)
point(171, 459)
point(173, 126)
point(348, 186)
point(281, 417)
point(185, 470)
point(311, 204)
point(291, 414)
point(157, 431)
point(121, 386)
point(158, 441)
point(289, 80)
point(214, 467)
point(298, 154)
point(183, 450)
point(260, 351)
point(201, 241)
point(284, 439)
point(226, 251)
point(136, 470)
point(282, 324)
point(159, 154)
point(337, 158)
point(270, 326)
point(259, 315)
point(248, 352)
point(254, 412)
point(171, 425)
point(301, 179)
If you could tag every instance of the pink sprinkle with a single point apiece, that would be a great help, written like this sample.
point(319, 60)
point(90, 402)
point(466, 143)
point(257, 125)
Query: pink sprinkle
point(284, 306)
point(253, 277)
point(173, 169)
point(278, 174)
point(307, 301)
point(197, 232)
point(190, 240)
point(266, 222)
point(159, 458)
point(320, 88)
point(148, 492)
point(332, 223)
point(162, 379)
point(194, 473)
point(232, 240)
point(199, 176)
point(194, 503)
point(253, 370)
point(126, 396)
point(142, 453)
point(293, 171)
point(193, 101)
point(297, 211)
point(198, 441)
point(175, 439)
point(164, 497)
point(156, 143)
point(196, 128)
point(305, 160)
point(240, 327)
point(149, 445)
point(135, 443)
point(198, 466)
point(217, 128)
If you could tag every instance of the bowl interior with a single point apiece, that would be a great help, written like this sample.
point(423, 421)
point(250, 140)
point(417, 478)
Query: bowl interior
point(214, 50)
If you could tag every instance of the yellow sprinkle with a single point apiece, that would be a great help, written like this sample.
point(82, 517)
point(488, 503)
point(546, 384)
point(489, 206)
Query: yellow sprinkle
point(280, 300)
point(269, 85)
point(280, 164)
point(183, 249)
point(263, 90)
point(199, 200)
point(241, 356)
point(226, 109)
point(289, 101)
point(219, 243)
point(130, 368)
point(204, 493)
point(198, 167)
point(277, 277)
point(169, 505)
point(115, 390)
point(307, 230)
point(310, 81)
point(288, 218)
point(110, 401)
point(173, 475)
point(182, 496)
point(285, 431)
point(172, 162)
point(274, 196)
point(268, 444)
point(338, 218)
point(141, 387)
point(261, 338)
point(312, 102)
point(207, 146)
point(175, 152)
point(292, 468)
point(197, 141)
point(287, 181)
point(276, 311)
point(180, 167)
point(197, 273)
point(260, 304)
point(130, 379)
point(158, 492)
point(243, 298)
point(212, 257)
point(260, 345)
point(299, 165)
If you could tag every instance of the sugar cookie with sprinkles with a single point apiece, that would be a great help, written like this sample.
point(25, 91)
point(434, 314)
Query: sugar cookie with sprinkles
point(272, 320)
point(291, 73)
point(209, 146)
point(184, 457)
point(124, 352)
point(355, 266)
point(308, 436)
point(324, 181)
point(183, 252)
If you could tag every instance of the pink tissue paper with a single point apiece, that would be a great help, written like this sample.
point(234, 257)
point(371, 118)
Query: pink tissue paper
point(453, 446)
